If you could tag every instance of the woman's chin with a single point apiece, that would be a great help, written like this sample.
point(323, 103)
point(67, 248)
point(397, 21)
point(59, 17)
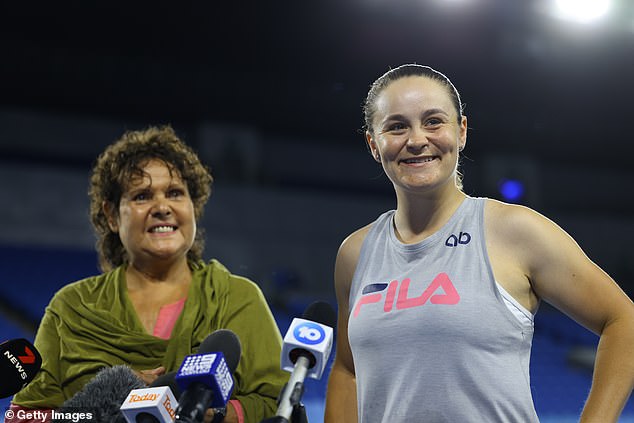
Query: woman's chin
point(165, 254)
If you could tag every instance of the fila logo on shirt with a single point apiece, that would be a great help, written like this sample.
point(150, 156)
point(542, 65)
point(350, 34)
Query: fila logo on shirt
point(397, 293)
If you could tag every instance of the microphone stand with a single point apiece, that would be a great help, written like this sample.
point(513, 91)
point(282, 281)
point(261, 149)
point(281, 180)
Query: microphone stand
point(289, 405)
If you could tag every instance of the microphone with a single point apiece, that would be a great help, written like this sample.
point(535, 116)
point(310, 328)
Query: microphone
point(150, 405)
point(167, 379)
point(103, 395)
point(19, 363)
point(306, 349)
point(206, 378)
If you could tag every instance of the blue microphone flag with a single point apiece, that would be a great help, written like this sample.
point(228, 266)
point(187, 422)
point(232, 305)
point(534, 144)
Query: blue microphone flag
point(212, 371)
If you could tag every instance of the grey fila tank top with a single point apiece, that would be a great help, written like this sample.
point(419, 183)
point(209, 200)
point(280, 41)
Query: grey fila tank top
point(431, 336)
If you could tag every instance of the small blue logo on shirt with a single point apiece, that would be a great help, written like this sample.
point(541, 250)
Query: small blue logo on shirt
point(309, 333)
point(462, 238)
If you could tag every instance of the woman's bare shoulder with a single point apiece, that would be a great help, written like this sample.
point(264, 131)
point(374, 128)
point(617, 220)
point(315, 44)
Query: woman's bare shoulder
point(353, 242)
point(348, 256)
point(512, 220)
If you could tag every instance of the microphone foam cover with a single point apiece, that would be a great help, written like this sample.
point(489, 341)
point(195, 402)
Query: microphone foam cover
point(168, 379)
point(226, 342)
point(103, 395)
point(321, 312)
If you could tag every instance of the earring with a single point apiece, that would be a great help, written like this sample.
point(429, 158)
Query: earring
point(377, 157)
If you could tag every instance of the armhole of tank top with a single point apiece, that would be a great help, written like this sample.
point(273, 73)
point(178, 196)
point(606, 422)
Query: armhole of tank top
point(525, 317)
point(520, 314)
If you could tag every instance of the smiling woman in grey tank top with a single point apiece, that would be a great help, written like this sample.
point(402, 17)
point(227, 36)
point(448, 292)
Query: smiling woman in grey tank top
point(436, 298)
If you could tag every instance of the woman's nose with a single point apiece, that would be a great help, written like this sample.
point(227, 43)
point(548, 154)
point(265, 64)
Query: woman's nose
point(161, 208)
point(417, 139)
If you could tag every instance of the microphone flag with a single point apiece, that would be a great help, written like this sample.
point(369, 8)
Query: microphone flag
point(159, 402)
point(19, 363)
point(307, 336)
point(212, 371)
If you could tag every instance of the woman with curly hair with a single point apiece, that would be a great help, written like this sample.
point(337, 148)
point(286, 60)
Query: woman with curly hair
point(156, 300)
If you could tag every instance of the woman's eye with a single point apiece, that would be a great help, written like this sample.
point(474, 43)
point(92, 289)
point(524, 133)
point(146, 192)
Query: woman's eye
point(175, 193)
point(141, 196)
point(396, 127)
point(433, 122)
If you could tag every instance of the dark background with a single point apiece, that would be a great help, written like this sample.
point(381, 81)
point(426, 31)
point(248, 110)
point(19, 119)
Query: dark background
point(270, 94)
point(533, 84)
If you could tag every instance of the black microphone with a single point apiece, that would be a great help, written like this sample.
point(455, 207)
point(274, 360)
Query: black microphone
point(206, 378)
point(103, 396)
point(306, 349)
point(19, 363)
point(167, 379)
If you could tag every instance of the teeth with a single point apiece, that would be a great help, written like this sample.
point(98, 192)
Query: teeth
point(162, 229)
point(419, 160)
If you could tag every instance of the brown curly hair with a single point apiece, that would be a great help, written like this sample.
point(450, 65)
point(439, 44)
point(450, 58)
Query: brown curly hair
point(124, 160)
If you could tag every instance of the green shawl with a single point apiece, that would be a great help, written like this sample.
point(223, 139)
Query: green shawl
point(91, 324)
